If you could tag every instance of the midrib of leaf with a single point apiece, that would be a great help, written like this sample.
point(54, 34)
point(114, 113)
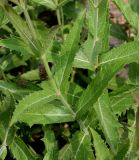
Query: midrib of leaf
point(82, 60)
point(129, 14)
point(21, 151)
point(118, 101)
point(108, 122)
point(69, 145)
point(64, 68)
point(80, 145)
point(107, 71)
point(64, 64)
point(40, 100)
point(18, 146)
point(118, 58)
point(51, 115)
point(23, 105)
point(103, 119)
point(96, 6)
point(4, 144)
point(21, 30)
point(102, 152)
point(2, 152)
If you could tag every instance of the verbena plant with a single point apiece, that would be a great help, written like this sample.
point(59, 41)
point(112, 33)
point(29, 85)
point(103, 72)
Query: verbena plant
point(69, 93)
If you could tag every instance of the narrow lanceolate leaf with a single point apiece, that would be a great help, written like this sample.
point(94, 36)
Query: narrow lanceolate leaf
point(63, 2)
point(22, 28)
point(108, 122)
point(81, 146)
point(47, 3)
point(98, 30)
point(102, 152)
point(15, 89)
point(111, 62)
point(69, 48)
point(82, 61)
point(41, 107)
point(34, 99)
point(3, 152)
point(21, 151)
point(66, 153)
point(129, 14)
point(16, 44)
point(50, 144)
point(122, 100)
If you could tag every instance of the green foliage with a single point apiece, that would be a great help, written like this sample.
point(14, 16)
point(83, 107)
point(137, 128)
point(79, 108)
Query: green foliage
point(81, 146)
point(63, 95)
point(67, 54)
point(101, 149)
point(50, 144)
point(20, 150)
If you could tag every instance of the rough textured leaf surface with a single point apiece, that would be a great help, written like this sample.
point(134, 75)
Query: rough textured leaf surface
point(81, 146)
point(20, 150)
point(111, 63)
point(109, 124)
point(69, 49)
point(102, 152)
point(41, 108)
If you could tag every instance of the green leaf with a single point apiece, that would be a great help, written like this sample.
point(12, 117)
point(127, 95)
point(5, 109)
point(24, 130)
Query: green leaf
point(90, 119)
point(15, 89)
point(121, 99)
point(17, 44)
point(63, 2)
point(134, 5)
point(66, 153)
point(129, 14)
point(50, 144)
point(21, 151)
point(108, 122)
point(69, 48)
point(118, 31)
point(133, 73)
point(2, 132)
point(134, 144)
point(22, 29)
point(73, 94)
point(6, 109)
point(11, 61)
point(47, 3)
point(81, 146)
point(3, 152)
point(111, 62)
point(41, 107)
point(81, 61)
point(125, 53)
point(6, 133)
point(2, 17)
point(98, 28)
point(102, 152)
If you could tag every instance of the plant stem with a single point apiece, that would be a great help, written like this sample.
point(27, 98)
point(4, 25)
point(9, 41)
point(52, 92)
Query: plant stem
point(58, 17)
point(50, 74)
point(53, 83)
point(29, 22)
